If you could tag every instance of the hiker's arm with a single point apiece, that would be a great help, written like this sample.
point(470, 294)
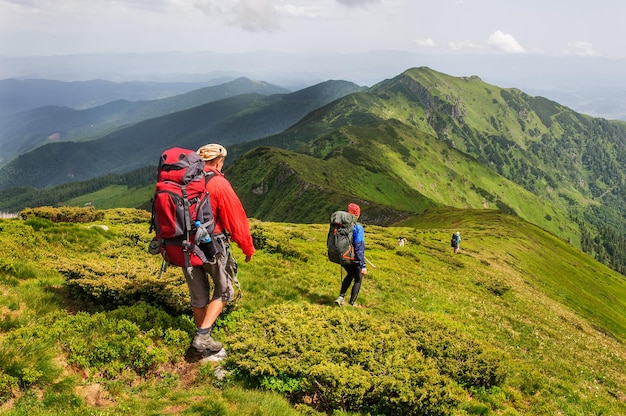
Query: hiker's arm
point(234, 219)
point(358, 241)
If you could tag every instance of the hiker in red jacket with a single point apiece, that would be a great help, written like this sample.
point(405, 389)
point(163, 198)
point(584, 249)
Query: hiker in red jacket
point(230, 218)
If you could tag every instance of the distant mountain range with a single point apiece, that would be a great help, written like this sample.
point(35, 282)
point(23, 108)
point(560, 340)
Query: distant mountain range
point(419, 140)
point(24, 131)
point(244, 115)
point(17, 95)
point(587, 84)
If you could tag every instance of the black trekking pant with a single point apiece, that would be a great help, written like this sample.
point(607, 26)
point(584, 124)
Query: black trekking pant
point(354, 274)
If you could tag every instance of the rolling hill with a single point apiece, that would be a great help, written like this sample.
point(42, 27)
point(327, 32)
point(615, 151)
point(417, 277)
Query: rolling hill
point(24, 131)
point(230, 120)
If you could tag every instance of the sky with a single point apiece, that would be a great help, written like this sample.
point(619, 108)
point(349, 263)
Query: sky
point(520, 27)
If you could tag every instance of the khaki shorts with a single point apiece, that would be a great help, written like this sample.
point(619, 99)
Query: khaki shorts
point(221, 273)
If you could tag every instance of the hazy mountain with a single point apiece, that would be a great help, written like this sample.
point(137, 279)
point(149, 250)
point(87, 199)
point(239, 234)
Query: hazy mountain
point(232, 120)
point(571, 80)
point(17, 95)
point(24, 131)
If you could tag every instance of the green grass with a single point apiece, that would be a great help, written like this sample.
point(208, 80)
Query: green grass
point(518, 322)
point(114, 196)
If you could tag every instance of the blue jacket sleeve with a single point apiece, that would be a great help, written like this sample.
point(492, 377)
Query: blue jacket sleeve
point(358, 241)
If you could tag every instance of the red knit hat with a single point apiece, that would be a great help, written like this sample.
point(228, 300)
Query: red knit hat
point(354, 209)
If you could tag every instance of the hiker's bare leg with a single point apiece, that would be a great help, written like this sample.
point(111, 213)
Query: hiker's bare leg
point(212, 312)
point(205, 317)
point(198, 315)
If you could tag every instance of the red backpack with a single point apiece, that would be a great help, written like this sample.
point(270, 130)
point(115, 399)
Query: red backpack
point(180, 203)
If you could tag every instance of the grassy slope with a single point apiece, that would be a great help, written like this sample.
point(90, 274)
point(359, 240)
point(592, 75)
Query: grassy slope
point(558, 317)
point(272, 182)
point(561, 271)
point(447, 176)
point(114, 196)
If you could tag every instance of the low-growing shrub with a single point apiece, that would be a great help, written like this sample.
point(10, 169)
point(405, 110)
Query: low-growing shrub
point(64, 214)
point(149, 318)
point(457, 355)
point(258, 238)
point(338, 358)
point(127, 216)
point(495, 286)
point(107, 346)
point(112, 287)
point(9, 385)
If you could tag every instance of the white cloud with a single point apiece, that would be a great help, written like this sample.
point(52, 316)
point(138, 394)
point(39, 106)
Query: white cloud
point(465, 44)
point(358, 3)
point(250, 15)
point(505, 42)
point(27, 4)
point(581, 48)
point(294, 11)
point(426, 42)
point(256, 16)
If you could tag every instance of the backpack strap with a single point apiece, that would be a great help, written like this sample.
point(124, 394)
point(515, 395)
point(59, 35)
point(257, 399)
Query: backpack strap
point(207, 177)
point(187, 219)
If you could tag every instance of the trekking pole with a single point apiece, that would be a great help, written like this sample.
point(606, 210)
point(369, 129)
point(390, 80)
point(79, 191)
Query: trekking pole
point(371, 264)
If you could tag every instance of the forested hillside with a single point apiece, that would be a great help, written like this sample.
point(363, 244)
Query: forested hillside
point(230, 120)
point(24, 131)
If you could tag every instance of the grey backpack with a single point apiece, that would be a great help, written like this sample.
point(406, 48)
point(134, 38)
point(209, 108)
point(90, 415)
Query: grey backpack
point(339, 243)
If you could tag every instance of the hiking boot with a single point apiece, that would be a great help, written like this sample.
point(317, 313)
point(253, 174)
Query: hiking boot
point(202, 342)
point(339, 301)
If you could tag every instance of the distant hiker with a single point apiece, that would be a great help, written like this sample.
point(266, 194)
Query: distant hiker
point(230, 217)
point(355, 267)
point(456, 241)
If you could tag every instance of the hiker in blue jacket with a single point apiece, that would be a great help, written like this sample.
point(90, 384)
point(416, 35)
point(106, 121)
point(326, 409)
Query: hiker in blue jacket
point(357, 269)
point(456, 242)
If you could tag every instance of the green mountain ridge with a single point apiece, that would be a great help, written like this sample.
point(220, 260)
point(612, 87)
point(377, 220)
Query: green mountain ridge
point(417, 140)
point(572, 166)
point(369, 166)
point(523, 138)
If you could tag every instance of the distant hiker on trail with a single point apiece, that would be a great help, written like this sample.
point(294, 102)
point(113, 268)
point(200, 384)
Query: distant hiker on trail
point(356, 268)
point(230, 218)
point(456, 241)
